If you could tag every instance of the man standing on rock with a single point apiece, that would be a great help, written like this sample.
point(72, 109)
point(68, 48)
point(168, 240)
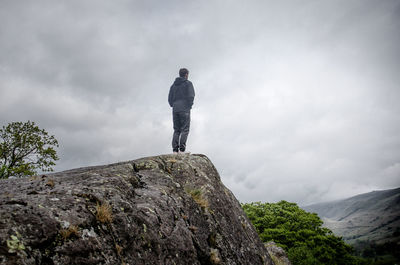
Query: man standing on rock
point(180, 98)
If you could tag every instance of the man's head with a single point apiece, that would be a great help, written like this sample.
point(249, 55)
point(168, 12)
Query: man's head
point(183, 72)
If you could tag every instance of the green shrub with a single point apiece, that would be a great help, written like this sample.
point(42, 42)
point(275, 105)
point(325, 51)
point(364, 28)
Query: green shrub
point(299, 232)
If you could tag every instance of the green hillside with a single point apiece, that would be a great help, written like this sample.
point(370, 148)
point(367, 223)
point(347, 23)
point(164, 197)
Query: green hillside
point(369, 222)
point(373, 216)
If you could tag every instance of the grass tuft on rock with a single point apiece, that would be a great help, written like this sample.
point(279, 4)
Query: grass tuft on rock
point(198, 197)
point(71, 231)
point(104, 213)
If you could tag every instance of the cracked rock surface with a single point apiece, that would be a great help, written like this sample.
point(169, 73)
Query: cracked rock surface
point(167, 209)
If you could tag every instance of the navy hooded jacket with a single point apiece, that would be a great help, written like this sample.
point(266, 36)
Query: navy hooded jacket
point(181, 95)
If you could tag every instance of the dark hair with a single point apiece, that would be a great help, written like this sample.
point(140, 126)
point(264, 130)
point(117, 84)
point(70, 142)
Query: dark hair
point(183, 72)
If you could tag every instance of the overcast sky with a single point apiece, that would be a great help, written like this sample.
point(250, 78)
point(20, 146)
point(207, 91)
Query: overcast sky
point(295, 100)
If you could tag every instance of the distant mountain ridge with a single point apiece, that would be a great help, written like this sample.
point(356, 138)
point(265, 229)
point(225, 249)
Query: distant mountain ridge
point(373, 216)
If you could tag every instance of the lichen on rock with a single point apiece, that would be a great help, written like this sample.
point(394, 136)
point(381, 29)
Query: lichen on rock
point(158, 210)
point(14, 244)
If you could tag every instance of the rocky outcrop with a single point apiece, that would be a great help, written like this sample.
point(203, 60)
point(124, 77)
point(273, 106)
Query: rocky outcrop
point(159, 210)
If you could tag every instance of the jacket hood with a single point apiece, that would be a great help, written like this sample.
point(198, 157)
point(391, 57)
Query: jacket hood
point(179, 80)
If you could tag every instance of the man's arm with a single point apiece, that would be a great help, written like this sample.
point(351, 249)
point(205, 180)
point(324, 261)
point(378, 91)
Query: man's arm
point(171, 96)
point(190, 94)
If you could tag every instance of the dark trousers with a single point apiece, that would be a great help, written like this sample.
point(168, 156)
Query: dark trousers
point(181, 130)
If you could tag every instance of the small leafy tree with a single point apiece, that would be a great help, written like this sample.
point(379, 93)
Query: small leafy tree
point(299, 232)
point(24, 149)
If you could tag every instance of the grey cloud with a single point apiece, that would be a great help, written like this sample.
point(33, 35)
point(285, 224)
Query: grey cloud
point(294, 100)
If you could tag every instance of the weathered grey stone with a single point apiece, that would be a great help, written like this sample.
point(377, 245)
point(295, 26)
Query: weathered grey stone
point(277, 254)
point(165, 210)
